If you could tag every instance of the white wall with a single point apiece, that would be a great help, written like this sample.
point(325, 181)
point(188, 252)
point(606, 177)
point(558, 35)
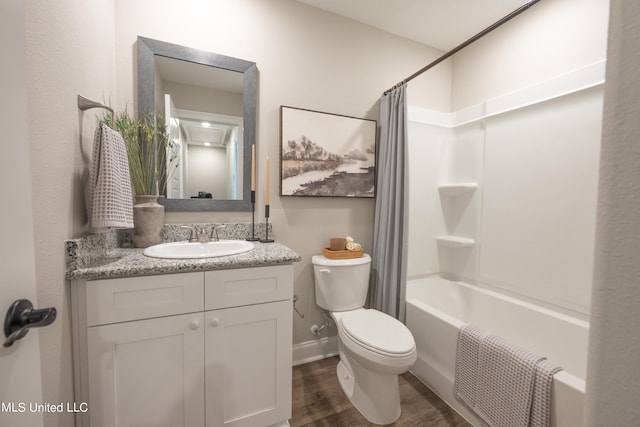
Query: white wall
point(549, 39)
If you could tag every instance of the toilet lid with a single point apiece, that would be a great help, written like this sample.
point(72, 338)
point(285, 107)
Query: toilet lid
point(378, 331)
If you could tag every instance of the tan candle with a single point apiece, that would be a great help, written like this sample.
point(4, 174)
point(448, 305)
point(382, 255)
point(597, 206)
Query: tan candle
point(253, 167)
point(266, 197)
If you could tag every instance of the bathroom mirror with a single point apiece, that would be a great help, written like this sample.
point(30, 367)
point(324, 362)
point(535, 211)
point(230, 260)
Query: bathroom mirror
point(209, 102)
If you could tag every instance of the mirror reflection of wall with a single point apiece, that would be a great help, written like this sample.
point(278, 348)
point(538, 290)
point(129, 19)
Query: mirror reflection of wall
point(203, 107)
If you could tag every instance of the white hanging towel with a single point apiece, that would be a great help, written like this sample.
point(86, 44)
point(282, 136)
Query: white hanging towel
point(111, 201)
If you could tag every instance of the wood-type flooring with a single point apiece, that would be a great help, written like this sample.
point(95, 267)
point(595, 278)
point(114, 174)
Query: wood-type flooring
point(319, 401)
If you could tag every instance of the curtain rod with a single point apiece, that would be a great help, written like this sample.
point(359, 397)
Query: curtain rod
point(464, 44)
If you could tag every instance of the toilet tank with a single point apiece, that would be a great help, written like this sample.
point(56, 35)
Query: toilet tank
point(341, 284)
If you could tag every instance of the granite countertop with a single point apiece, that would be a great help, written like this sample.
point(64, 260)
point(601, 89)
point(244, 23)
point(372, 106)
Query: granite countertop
point(123, 262)
point(112, 260)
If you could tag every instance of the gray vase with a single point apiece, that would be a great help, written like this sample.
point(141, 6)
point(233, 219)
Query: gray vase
point(148, 221)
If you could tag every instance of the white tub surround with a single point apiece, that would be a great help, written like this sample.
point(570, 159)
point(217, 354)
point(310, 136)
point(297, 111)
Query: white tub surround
point(507, 192)
point(436, 310)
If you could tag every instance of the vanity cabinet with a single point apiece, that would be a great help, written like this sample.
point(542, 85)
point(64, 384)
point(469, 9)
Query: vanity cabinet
point(147, 372)
point(192, 349)
point(247, 371)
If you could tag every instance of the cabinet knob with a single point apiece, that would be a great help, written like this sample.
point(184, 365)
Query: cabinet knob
point(194, 325)
point(214, 322)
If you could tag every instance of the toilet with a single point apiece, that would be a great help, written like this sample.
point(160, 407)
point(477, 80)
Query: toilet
point(374, 347)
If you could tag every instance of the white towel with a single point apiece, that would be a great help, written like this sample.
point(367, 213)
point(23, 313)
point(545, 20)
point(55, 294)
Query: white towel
point(111, 201)
point(506, 386)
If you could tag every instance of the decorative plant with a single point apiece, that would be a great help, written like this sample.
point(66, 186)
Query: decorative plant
point(152, 153)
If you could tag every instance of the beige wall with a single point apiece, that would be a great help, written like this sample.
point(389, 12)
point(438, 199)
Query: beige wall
point(207, 171)
point(20, 363)
point(306, 58)
point(69, 52)
point(614, 343)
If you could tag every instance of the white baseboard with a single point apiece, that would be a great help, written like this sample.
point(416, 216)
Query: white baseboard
point(310, 351)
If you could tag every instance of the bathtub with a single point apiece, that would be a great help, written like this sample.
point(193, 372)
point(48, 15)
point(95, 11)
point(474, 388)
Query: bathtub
point(437, 308)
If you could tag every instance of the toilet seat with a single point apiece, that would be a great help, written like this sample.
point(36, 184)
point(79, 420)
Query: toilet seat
point(377, 332)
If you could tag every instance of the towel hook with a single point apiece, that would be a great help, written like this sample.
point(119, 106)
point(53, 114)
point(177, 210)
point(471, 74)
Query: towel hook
point(86, 104)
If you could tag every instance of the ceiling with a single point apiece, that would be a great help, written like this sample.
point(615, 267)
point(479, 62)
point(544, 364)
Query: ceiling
point(442, 24)
point(209, 134)
point(194, 74)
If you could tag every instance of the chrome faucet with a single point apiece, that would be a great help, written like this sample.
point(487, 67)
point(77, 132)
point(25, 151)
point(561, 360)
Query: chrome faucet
point(202, 236)
point(196, 236)
point(215, 231)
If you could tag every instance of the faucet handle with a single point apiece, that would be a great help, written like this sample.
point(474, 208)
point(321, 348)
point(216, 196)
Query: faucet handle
point(194, 232)
point(215, 231)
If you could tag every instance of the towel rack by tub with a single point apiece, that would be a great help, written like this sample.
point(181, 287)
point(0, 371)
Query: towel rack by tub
point(86, 104)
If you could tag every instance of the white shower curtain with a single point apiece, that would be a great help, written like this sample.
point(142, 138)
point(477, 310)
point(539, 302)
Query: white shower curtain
point(389, 255)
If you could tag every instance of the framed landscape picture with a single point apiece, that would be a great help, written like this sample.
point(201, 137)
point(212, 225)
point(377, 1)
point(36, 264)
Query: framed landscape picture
point(325, 154)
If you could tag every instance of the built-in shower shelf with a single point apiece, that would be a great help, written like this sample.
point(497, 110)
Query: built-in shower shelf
point(458, 188)
point(455, 241)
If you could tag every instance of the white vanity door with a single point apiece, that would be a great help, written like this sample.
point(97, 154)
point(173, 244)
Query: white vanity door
point(248, 365)
point(147, 372)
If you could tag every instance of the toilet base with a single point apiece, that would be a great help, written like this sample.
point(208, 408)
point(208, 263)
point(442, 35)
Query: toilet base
point(376, 396)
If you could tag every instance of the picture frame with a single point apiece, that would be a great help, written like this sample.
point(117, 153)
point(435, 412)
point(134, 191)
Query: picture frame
point(326, 155)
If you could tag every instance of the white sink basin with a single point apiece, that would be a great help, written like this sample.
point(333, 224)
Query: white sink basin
point(198, 250)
